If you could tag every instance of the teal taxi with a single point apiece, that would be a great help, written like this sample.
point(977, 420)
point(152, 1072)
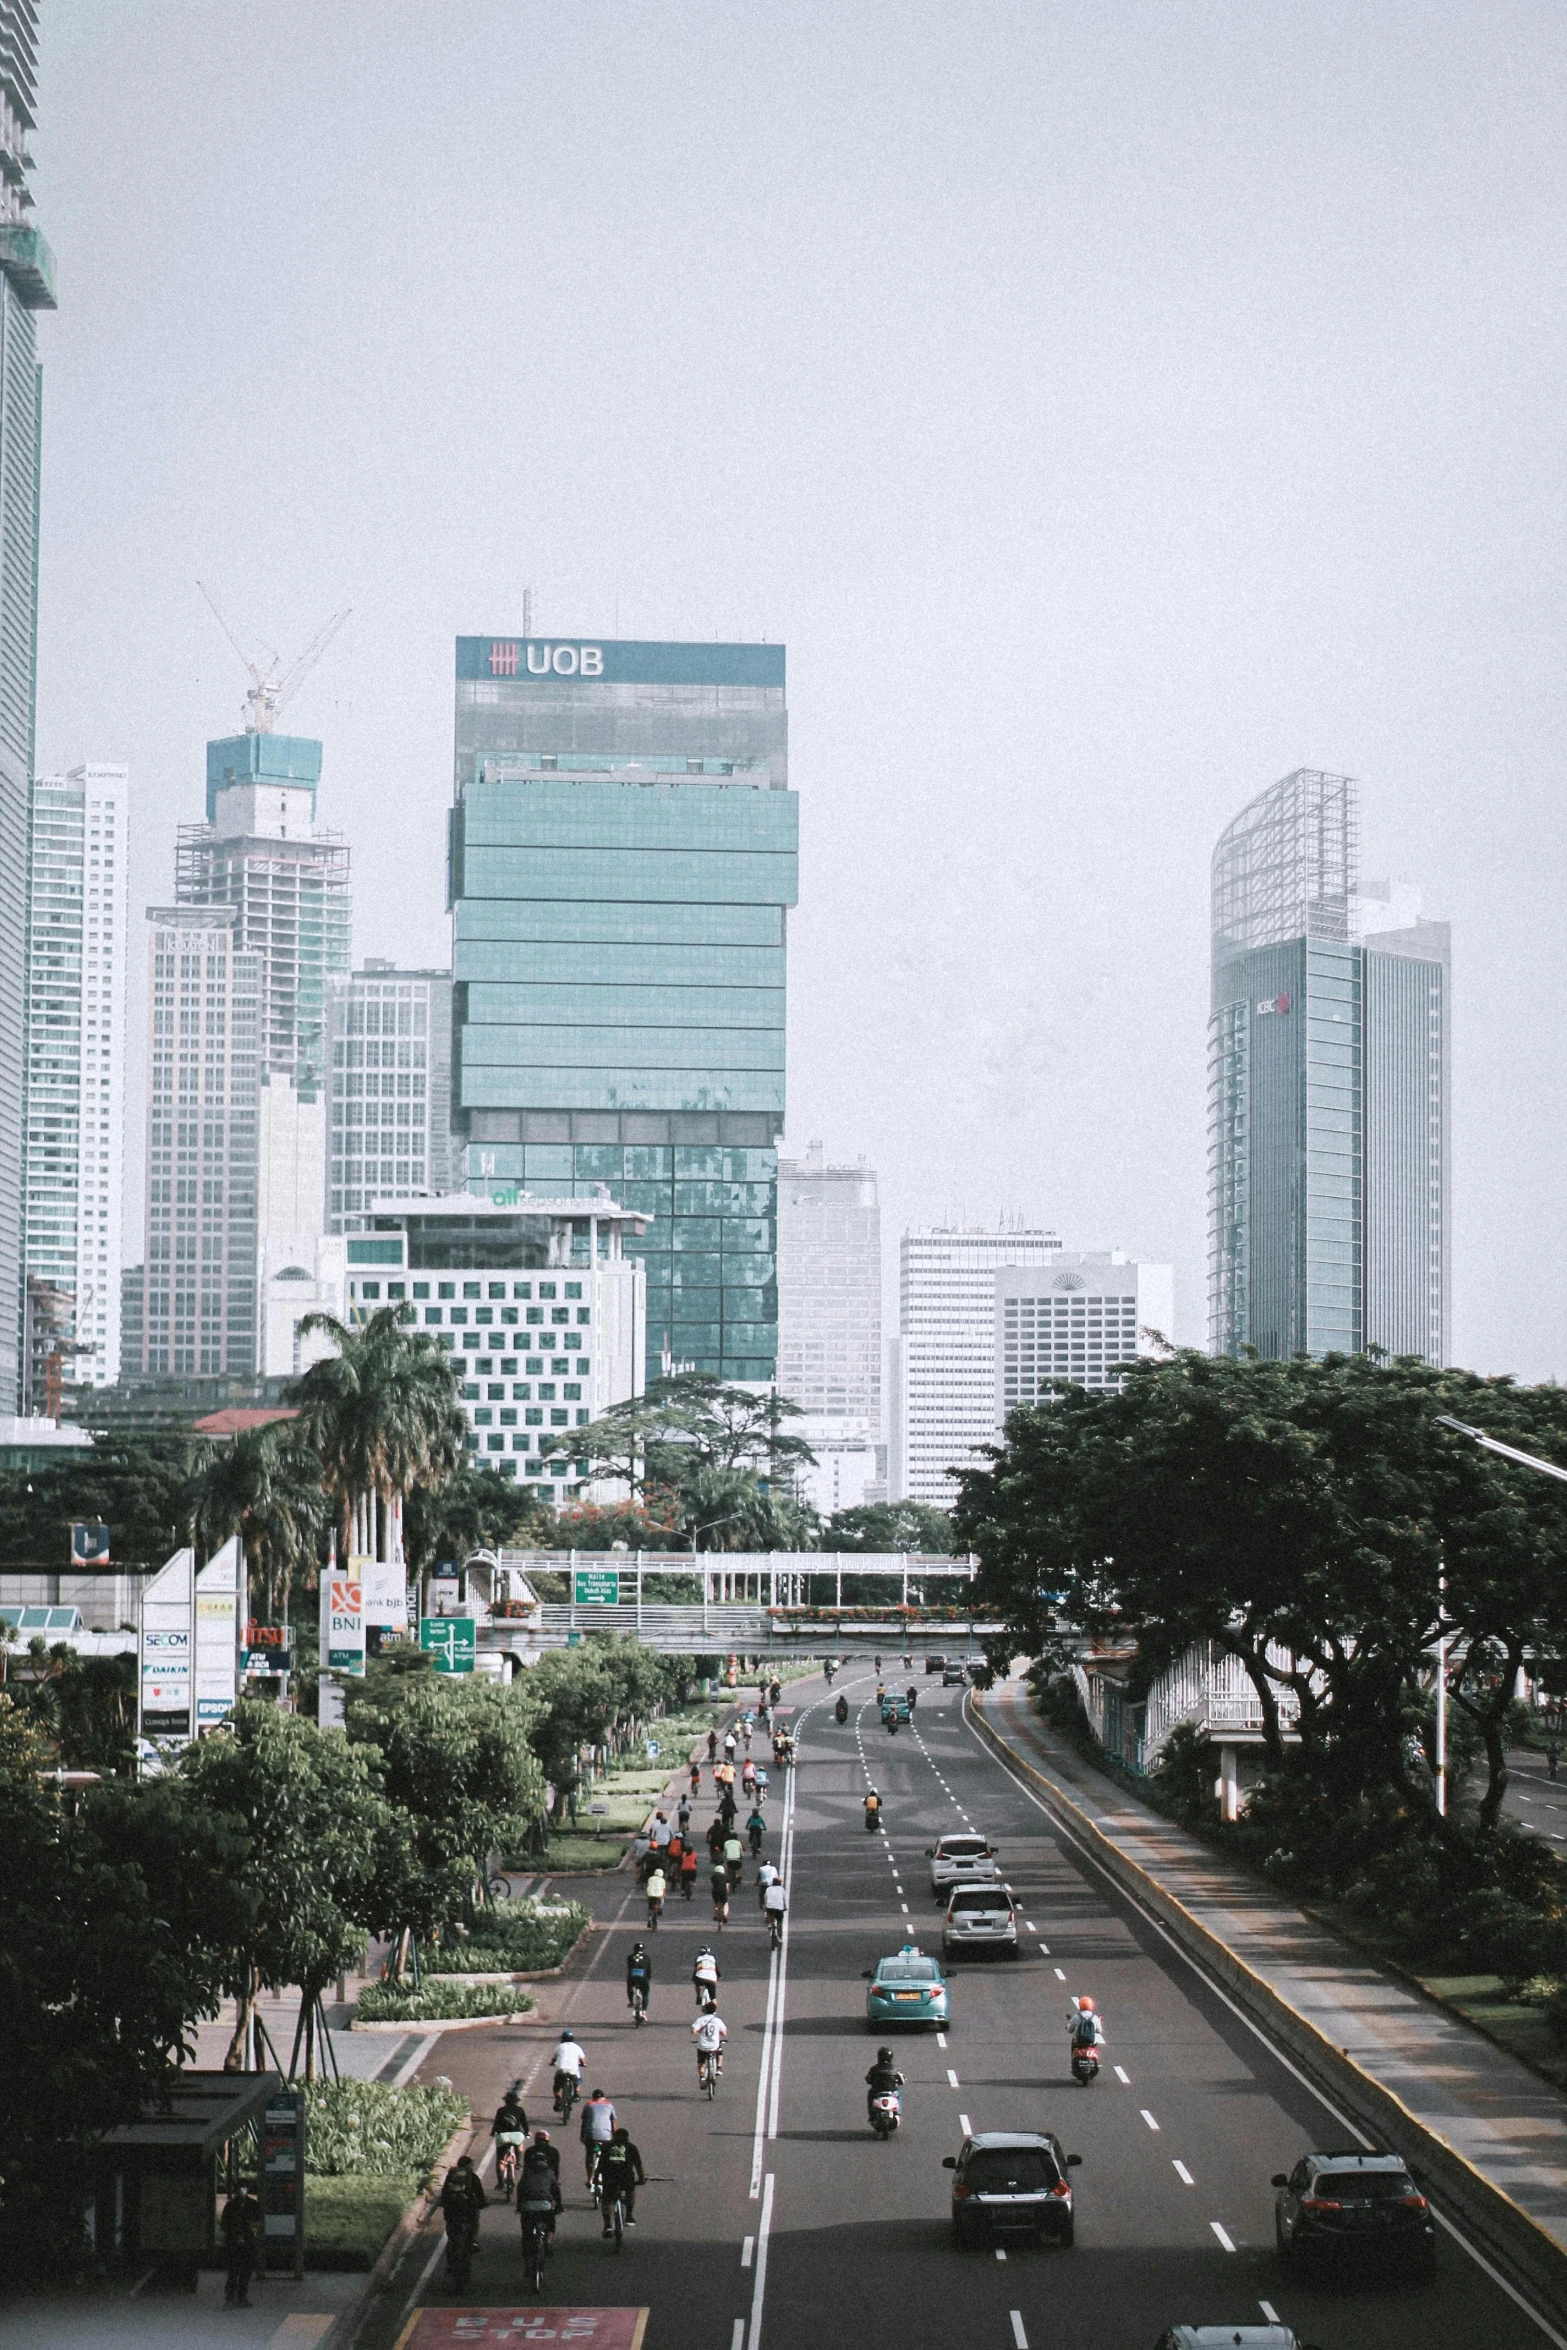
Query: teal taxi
point(908, 1988)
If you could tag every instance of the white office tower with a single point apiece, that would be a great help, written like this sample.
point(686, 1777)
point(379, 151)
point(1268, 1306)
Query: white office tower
point(389, 1050)
point(829, 1325)
point(1081, 1318)
point(944, 1355)
point(197, 1306)
point(74, 1143)
point(300, 1269)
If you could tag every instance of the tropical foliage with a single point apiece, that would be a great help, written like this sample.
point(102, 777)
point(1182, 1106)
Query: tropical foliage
point(381, 1415)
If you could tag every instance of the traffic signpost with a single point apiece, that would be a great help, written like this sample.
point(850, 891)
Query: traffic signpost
point(451, 1642)
point(596, 1586)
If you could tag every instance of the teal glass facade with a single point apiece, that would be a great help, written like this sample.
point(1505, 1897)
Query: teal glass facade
point(623, 853)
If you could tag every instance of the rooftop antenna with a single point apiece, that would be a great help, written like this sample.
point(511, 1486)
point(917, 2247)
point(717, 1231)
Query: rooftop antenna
point(274, 686)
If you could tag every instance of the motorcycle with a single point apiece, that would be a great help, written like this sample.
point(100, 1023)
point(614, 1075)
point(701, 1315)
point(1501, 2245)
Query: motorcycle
point(1085, 2063)
point(873, 1821)
point(841, 1709)
point(886, 2111)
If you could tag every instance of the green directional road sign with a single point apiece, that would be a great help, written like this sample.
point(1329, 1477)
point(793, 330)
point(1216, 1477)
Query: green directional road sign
point(596, 1586)
point(450, 1641)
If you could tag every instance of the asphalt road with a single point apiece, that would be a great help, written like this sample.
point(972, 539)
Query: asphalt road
point(774, 2217)
point(1533, 1797)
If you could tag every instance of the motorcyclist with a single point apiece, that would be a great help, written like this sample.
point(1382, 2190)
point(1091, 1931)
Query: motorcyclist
point(914, 1696)
point(570, 2062)
point(704, 1977)
point(883, 2076)
point(538, 2181)
point(462, 2200)
point(639, 1973)
point(830, 1671)
point(510, 2133)
point(872, 1809)
point(841, 1709)
point(1085, 2026)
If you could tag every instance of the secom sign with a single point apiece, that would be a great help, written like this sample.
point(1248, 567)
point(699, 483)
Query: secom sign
point(546, 660)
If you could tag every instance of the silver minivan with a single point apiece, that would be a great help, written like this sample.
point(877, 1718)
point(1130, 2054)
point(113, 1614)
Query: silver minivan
point(980, 1917)
point(960, 1860)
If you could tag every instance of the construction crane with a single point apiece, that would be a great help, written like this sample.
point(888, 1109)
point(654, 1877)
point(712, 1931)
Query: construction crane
point(273, 686)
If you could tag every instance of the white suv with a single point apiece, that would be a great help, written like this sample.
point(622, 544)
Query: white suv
point(960, 1860)
point(980, 1917)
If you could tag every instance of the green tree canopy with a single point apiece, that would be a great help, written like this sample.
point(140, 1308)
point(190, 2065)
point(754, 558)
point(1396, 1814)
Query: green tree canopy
point(265, 1486)
point(891, 1525)
point(382, 1414)
point(473, 1509)
point(134, 1486)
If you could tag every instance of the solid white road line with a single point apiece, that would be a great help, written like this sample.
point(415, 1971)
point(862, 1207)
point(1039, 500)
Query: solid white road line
point(760, 2133)
point(1183, 2174)
point(1018, 2335)
point(746, 2250)
point(1148, 2117)
point(965, 2125)
point(405, 2072)
point(1223, 2238)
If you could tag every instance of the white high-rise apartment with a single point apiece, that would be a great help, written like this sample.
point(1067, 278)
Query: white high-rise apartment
point(389, 1051)
point(198, 1299)
point(829, 1324)
point(944, 1355)
point(74, 1146)
point(1080, 1318)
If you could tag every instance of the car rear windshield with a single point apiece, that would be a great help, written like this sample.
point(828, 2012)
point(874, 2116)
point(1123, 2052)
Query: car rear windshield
point(1027, 2171)
point(908, 1970)
point(961, 1847)
point(974, 1897)
point(1362, 2186)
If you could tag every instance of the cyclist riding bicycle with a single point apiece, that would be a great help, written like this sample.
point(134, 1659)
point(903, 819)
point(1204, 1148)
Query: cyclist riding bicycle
point(756, 1829)
point(704, 1977)
point(639, 1976)
point(765, 1876)
point(620, 2174)
point(775, 1902)
point(462, 2200)
point(657, 1887)
point(510, 2133)
point(734, 1859)
point(570, 2062)
point(709, 2032)
point(538, 2183)
point(596, 2130)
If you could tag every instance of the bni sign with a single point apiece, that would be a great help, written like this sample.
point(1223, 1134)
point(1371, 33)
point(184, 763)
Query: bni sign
point(342, 1624)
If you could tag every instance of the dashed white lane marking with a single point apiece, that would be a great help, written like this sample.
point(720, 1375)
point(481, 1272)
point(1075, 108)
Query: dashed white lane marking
point(1000, 2255)
point(1148, 2117)
point(1123, 2077)
point(1270, 2313)
point(737, 2338)
point(1223, 2238)
point(1044, 1946)
point(965, 2125)
point(952, 2078)
point(903, 1905)
point(1033, 1929)
point(1060, 1977)
point(746, 2250)
point(1018, 2335)
point(941, 2039)
point(1183, 2174)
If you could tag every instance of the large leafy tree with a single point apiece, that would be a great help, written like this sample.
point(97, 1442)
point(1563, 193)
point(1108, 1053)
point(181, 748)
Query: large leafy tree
point(381, 1414)
point(84, 1706)
point(890, 1525)
point(326, 1856)
point(715, 1460)
point(119, 1913)
point(473, 1509)
point(264, 1486)
point(135, 1487)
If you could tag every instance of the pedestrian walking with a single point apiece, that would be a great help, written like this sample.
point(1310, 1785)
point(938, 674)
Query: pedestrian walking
point(241, 2227)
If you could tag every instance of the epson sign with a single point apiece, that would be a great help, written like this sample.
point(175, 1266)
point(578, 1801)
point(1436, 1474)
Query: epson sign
point(506, 660)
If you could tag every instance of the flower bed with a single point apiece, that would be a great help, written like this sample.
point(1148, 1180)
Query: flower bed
point(513, 1938)
point(439, 2001)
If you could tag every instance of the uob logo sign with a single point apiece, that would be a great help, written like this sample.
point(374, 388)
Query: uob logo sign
point(547, 660)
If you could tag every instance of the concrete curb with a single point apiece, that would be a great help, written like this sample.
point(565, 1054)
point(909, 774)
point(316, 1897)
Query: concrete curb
point(1504, 2229)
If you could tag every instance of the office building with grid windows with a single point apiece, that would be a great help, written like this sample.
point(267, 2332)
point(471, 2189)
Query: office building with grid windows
point(1082, 1318)
point(623, 852)
point(944, 1352)
point(829, 1326)
point(1328, 1048)
point(539, 1305)
point(74, 1164)
point(389, 1048)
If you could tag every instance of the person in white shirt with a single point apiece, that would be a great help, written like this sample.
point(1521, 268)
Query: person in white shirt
point(765, 1876)
point(709, 2032)
point(775, 1901)
point(570, 2062)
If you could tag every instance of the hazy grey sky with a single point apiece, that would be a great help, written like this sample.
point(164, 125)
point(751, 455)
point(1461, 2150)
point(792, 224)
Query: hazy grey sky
point(1111, 406)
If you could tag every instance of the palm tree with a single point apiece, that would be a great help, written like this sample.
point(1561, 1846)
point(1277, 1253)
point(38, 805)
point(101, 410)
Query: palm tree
point(380, 1415)
point(265, 1487)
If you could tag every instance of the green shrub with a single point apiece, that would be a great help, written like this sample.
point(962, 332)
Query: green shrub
point(439, 2001)
point(356, 2128)
point(347, 2220)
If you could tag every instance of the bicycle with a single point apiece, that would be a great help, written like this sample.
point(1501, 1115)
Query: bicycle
point(614, 2213)
point(775, 1926)
point(536, 2241)
point(638, 2004)
point(707, 2072)
point(566, 2094)
point(507, 2164)
point(655, 1903)
point(459, 2254)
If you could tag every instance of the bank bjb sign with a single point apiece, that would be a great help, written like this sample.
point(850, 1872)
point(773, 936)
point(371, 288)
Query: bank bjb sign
point(342, 1623)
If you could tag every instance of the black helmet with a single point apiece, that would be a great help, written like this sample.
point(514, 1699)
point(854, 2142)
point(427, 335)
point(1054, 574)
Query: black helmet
point(884, 2056)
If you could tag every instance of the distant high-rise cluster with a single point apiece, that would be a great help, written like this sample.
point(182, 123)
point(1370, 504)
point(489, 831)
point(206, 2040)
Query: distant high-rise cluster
point(1328, 1176)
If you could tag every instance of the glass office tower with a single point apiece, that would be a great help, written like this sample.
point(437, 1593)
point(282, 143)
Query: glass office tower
point(623, 852)
point(1327, 1096)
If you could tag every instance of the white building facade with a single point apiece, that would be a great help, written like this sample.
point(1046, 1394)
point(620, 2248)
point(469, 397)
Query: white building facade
point(535, 1298)
point(829, 1325)
point(74, 1137)
point(389, 1052)
point(1082, 1318)
point(943, 1400)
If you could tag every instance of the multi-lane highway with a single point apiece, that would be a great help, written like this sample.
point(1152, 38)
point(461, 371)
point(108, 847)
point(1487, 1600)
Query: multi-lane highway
point(776, 2218)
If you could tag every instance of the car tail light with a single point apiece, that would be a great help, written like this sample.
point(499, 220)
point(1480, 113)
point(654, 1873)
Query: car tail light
point(1413, 2202)
point(961, 2194)
point(1320, 2203)
point(1061, 2188)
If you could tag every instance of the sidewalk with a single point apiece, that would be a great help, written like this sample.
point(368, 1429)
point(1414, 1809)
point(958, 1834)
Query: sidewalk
point(1506, 2122)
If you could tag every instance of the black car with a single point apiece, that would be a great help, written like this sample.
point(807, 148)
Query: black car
point(935, 1664)
point(1012, 2183)
point(1353, 2204)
